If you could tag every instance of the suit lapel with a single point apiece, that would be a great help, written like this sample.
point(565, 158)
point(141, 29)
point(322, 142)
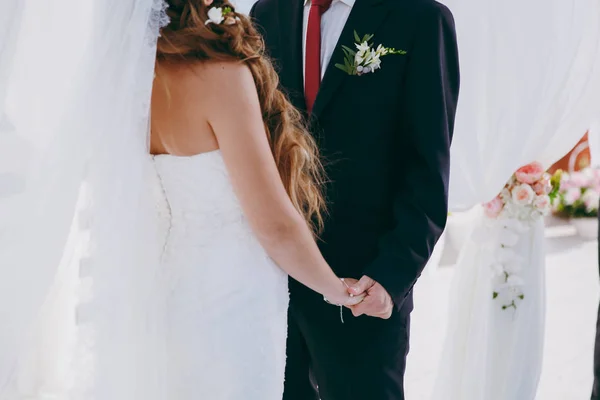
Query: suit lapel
point(291, 15)
point(366, 16)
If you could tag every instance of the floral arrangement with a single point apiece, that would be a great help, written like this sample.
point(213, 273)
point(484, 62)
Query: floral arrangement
point(579, 194)
point(527, 196)
point(366, 59)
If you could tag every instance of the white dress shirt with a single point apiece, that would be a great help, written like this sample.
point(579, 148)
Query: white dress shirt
point(332, 24)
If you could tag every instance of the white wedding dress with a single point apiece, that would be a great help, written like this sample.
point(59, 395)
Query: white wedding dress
point(226, 300)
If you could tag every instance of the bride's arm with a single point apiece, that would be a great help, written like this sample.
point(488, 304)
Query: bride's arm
point(234, 113)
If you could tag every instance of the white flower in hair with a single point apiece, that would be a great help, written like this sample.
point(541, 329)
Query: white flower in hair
point(215, 16)
point(224, 15)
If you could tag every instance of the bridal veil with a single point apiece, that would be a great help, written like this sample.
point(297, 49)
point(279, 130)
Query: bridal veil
point(77, 228)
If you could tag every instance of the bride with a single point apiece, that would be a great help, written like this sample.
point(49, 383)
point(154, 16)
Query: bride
point(241, 178)
point(198, 307)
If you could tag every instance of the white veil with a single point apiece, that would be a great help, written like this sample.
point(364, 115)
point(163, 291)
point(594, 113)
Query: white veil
point(75, 84)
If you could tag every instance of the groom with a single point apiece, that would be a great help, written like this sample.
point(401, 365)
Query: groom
point(385, 136)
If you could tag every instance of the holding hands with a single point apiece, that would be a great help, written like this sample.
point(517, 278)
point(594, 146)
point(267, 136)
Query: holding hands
point(376, 302)
point(364, 297)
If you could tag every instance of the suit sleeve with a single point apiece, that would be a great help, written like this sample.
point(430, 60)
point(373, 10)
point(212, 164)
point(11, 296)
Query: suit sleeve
point(428, 109)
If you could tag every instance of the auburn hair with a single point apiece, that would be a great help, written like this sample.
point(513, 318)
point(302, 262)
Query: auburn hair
point(189, 38)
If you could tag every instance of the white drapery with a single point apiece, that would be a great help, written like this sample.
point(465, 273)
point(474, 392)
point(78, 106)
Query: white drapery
point(530, 89)
point(75, 84)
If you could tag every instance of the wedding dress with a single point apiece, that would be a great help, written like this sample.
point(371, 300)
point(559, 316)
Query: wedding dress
point(225, 300)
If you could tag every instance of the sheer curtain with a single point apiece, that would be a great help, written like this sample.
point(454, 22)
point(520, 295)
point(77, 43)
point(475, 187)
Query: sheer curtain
point(530, 89)
point(75, 83)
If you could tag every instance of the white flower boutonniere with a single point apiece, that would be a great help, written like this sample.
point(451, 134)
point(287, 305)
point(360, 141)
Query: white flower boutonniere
point(365, 58)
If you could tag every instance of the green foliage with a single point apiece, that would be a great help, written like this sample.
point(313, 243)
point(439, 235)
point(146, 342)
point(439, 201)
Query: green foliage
point(351, 66)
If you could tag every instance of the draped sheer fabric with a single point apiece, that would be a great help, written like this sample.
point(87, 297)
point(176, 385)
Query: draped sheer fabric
point(530, 89)
point(77, 228)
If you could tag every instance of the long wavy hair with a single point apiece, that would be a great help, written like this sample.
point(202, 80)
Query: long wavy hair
point(189, 38)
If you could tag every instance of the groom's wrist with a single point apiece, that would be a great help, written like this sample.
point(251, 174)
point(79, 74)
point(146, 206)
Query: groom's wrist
point(392, 281)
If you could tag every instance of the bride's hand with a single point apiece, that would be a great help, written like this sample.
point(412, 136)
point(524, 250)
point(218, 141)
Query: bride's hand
point(340, 295)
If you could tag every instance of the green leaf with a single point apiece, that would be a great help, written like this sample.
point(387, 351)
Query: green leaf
point(340, 66)
point(494, 295)
point(356, 37)
point(347, 63)
point(368, 38)
point(349, 50)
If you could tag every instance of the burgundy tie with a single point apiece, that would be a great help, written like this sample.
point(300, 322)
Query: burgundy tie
point(312, 71)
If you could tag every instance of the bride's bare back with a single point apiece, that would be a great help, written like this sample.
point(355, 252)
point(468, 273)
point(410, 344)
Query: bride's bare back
point(179, 125)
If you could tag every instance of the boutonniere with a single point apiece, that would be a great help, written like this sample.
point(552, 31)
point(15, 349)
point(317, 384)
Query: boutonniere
point(366, 58)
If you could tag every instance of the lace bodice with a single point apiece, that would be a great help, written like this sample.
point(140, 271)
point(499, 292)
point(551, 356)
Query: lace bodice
point(226, 300)
point(197, 191)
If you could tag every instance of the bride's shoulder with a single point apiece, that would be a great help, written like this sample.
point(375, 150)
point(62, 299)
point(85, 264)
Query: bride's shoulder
point(221, 78)
point(223, 73)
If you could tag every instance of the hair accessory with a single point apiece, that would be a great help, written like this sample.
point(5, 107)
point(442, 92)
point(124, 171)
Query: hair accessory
point(221, 15)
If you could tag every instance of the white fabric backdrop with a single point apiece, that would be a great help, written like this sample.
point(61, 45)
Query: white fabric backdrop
point(530, 79)
point(530, 89)
point(75, 82)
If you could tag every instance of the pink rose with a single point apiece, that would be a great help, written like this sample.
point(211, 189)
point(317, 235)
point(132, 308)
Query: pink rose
point(542, 203)
point(579, 179)
point(530, 173)
point(596, 176)
point(565, 181)
point(543, 186)
point(591, 198)
point(493, 208)
point(523, 194)
point(572, 195)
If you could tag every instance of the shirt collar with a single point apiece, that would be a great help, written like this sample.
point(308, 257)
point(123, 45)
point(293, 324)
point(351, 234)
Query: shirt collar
point(349, 3)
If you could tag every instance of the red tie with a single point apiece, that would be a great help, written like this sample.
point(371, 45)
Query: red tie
point(312, 71)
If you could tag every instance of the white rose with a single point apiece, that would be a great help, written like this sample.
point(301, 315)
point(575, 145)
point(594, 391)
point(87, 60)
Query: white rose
point(513, 267)
point(523, 194)
point(514, 291)
point(542, 203)
point(497, 269)
point(215, 16)
point(513, 281)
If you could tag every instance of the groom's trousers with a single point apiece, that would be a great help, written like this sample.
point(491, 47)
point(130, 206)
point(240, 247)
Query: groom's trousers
point(361, 358)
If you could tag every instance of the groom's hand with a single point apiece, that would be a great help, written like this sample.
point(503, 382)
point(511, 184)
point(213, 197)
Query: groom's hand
point(377, 303)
